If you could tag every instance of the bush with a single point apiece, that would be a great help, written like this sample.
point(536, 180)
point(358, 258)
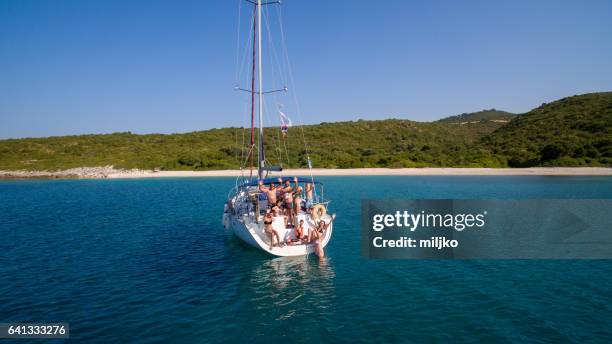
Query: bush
point(551, 152)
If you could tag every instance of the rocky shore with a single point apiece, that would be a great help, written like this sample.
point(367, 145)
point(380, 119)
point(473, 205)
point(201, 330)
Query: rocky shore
point(101, 172)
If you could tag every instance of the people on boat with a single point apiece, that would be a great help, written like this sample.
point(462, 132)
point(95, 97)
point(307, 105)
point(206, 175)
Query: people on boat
point(309, 198)
point(280, 193)
point(270, 193)
point(320, 233)
point(297, 201)
point(299, 237)
point(270, 230)
point(277, 209)
point(288, 203)
point(288, 197)
point(299, 230)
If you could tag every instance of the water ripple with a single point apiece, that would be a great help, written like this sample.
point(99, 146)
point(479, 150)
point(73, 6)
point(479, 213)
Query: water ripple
point(147, 261)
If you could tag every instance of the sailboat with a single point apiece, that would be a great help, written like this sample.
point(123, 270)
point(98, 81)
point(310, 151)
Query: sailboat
point(246, 203)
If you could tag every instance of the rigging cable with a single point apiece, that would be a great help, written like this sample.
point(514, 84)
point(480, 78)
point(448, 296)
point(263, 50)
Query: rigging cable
point(292, 84)
point(271, 52)
point(275, 58)
point(240, 70)
point(238, 41)
point(276, 146)
point(236, 75)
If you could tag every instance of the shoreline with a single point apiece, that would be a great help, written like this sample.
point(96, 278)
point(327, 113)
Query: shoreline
point(109, 172)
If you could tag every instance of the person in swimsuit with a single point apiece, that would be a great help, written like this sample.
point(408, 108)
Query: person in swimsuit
point(299, 230)
point(277, 208)
point(287, 187)
point(270, 230)
point(279, 189)
point(288, 198)
point(297, 201)
point(318, 233)
point(309, 191)
point(270, 192)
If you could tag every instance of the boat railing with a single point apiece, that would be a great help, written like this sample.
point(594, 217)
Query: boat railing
point(319, 196)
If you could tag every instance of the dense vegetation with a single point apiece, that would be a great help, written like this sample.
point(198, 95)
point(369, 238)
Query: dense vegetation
point(574, 131)
point(391, 142)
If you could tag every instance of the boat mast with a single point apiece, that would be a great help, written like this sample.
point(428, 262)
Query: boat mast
point(252, 147)
point(257, 64)
point(260, 164)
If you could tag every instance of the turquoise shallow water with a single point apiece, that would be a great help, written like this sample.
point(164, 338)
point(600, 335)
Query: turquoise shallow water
point(148, 261)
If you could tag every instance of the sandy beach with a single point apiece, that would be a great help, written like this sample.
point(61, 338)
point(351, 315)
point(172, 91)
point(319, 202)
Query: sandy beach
point(109, 172)
point(560, 171)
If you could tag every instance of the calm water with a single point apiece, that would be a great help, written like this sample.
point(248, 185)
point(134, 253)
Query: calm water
point(148, 261)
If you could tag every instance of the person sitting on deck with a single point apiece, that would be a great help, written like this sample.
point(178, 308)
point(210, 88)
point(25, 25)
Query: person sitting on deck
point(270, 192)
point(299, 235)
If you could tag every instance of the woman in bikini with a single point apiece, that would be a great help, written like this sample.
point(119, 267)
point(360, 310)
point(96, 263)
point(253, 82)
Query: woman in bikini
point(270, 230)
point(318, 233)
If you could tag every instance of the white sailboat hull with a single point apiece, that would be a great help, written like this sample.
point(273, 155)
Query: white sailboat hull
point(253, 234)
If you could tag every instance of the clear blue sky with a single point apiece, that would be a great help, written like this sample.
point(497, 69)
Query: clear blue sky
point(74, 67)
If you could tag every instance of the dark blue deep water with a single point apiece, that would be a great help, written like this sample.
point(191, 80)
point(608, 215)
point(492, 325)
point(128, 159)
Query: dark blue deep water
point(148, 261)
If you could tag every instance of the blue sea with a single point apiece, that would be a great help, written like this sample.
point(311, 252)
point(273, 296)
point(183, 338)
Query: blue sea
point(147, 261)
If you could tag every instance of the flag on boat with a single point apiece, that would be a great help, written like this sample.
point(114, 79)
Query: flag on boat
point(285, 123)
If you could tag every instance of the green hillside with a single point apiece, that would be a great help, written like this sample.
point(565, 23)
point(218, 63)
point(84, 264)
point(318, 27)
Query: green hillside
point(480, 116)
point(575, 131)
point(393, 142)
